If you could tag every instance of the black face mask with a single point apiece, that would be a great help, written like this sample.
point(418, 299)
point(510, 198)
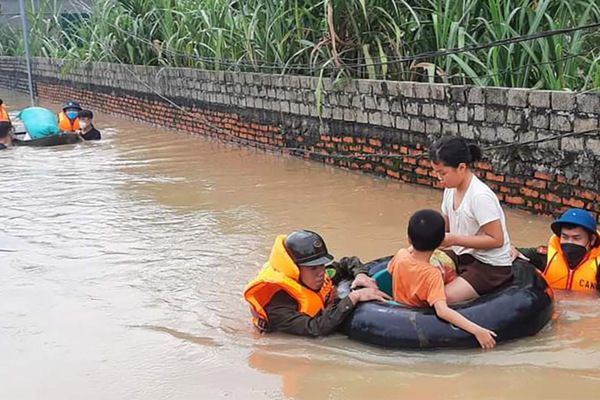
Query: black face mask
point(574, 253)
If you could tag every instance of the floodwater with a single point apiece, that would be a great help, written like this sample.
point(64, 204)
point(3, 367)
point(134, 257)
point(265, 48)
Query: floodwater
point(122, 264)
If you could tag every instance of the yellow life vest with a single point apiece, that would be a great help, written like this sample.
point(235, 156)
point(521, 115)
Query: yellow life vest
point(281, 273)
point(3, 114)
point(583, 278)
point(65, 124)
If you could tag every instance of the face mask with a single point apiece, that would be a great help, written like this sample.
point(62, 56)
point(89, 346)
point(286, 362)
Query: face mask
point(574, 253)
point(83, 125)
point(72, 114)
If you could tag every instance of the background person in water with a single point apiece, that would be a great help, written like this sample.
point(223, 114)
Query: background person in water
point(475, 222)
point(5, 135)
point(571, 259)
point(295, 292)
point(68, 119)
point(4, 117)
point(88, 130)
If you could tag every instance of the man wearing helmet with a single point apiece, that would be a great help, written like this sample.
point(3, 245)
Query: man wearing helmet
point(68, 119)
point(571, 259)
point(295, 291)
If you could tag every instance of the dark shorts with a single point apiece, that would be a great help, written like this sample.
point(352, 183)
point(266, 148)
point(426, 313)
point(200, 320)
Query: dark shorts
point(483, 277)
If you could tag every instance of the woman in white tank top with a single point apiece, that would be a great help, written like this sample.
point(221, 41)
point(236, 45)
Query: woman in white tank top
point(477, 238)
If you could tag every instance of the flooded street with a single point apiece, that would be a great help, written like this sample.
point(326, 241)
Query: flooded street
point(122, 264)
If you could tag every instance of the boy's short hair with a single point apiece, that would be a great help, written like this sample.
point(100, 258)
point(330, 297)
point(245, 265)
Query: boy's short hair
point(4, 129)
point(86, 114)
point(426, 230)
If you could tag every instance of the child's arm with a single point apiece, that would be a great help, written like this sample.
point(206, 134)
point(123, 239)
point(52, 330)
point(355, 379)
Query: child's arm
point(485, 337)
point(492, 238)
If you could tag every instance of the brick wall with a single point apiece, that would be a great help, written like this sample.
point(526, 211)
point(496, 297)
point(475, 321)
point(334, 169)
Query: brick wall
point(281, 113)
point(13, 74)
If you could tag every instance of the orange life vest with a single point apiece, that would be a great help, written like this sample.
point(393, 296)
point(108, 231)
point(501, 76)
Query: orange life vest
point(281, 273)
point(583, 278)
point(3, 114)
point(65, 124)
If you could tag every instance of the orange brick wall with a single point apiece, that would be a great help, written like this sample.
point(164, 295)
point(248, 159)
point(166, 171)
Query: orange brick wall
point(545, 179)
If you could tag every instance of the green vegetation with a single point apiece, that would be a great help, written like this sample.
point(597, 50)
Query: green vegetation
point(341, 38)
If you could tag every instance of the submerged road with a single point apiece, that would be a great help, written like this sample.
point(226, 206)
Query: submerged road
point(122, 264)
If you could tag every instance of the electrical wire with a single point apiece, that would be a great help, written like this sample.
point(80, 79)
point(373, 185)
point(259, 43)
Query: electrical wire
point(357, 156)
point(363, 155)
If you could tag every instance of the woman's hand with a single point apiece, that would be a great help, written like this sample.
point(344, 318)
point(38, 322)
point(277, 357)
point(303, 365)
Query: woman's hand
point(491, 237)
point(449, 241)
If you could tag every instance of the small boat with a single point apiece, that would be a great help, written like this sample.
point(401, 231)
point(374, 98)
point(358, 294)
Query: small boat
point(518, 309)
point(54, 140)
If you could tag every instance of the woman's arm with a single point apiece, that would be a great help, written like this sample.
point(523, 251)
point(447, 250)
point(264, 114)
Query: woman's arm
point(492, 238)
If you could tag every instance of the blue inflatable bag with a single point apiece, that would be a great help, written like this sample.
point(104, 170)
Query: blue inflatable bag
point(39, 122)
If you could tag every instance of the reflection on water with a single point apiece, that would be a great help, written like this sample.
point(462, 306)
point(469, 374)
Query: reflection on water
point(123, 262)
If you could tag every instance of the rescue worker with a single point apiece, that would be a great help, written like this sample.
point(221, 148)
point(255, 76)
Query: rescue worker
point(570, 261)
point(68, 119)
point(4, 117)
point(296, 293)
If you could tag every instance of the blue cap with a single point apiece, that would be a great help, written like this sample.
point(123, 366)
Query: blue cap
point(575, 216)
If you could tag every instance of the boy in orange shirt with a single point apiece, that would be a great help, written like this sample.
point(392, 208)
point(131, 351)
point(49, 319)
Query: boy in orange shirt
point(417, 283)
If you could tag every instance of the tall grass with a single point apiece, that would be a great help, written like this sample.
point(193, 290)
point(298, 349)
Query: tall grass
point(344, 38)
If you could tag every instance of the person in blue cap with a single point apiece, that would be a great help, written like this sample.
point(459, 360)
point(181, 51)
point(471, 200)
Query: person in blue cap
point(68, 119)
point(571, 259)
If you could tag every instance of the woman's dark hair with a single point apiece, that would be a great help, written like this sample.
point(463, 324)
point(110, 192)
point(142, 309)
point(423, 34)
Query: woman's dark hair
point(452, 151)
point(426, 230)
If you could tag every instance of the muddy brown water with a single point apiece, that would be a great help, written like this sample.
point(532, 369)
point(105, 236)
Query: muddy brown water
point(122, 264)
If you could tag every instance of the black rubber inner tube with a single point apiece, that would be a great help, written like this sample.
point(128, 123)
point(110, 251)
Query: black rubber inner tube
point(518, 309)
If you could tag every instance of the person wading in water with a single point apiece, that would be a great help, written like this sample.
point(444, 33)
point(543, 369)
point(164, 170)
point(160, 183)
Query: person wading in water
point(571, 259)
point(295, 292)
